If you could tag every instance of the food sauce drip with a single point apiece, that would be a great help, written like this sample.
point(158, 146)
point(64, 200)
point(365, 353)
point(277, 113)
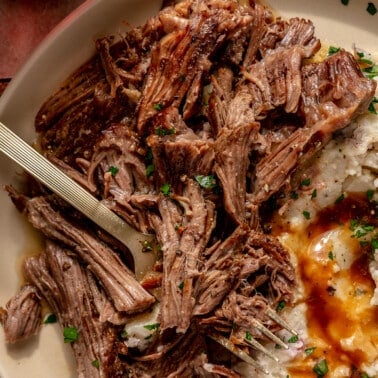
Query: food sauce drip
point(333, 264)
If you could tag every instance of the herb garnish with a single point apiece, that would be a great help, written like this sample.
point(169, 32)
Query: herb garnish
point(293, 339)
point(370, 194)
point(281, 305)
point(166, 189)
point(345, 2)
point(162, 131)
point(306, 214)
point(372, 9)
point(50, 318)
point(70, 334)
point(371, 107)
point(96, 363)
point(306, 182)
point(207, 182)
point(294, 195)
point(309, 351)
point(157, 106)
point(340, 198)
point(150, 169)
point(321, 368)
point(333, 50)
point(113, 170)
point(181, 285)
point(314, 194)
point(331, 256)
point(152, 327)
point(248, 336)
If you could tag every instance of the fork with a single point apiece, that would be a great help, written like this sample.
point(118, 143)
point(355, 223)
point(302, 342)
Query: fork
point(44, 171)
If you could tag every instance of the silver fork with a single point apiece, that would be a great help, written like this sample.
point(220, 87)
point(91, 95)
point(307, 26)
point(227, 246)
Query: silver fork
point(44, 171)
point(253, 343)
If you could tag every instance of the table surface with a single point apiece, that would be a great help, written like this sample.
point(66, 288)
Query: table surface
point(23, 25)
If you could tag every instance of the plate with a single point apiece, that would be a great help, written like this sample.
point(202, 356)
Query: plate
point(69, 45)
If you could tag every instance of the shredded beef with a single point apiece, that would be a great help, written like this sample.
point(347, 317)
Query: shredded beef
point(186, 127)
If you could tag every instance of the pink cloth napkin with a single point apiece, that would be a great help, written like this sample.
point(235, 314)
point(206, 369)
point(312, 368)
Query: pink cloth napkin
point(23, 24)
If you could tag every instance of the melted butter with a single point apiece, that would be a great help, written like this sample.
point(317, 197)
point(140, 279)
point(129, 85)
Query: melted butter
point(337, 289)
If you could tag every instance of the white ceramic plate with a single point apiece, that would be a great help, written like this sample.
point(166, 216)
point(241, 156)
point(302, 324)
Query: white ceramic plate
point(69, 45)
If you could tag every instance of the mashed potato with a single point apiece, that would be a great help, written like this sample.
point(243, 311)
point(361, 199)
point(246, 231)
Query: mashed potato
point(336, 311)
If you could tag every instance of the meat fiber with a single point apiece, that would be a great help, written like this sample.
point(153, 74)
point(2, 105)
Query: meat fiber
point(188, 127)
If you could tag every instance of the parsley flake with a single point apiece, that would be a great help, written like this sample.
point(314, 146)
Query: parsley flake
point(157, 106)
point(281, 305)
point(294, 195)
point(371, 9)
point(113, 170)
point(248, 336)
point(340, 198)
point(96, 363)
point(181, 285)
point(331, 255)
point(306, 182)
point(306, 214)
point(207, 182)
point(333, 50)
point(70, 334)
point(314, 194)
point(293, 339)
point(150, 169)
point(152, 327)
point(162, 131)
point(50, 318)
point(371, 107)
point(309, 351)
point(321, 368)
point(345, 2)
point(166, 189)
point(370, 194)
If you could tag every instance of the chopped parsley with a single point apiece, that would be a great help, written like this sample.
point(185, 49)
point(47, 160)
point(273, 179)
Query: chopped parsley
point(150, 169)
point(340, 198)
point(50, 318)
point(371, 9)
point(181, 285)
point(321, 368)
point(293, 339)
point(294, 195)
point(333, 50)
point(371, 107)
point(162, 131)
point(314, 194)
point(281, 305)
point(345, 2)
point(370, 194)
point(166, 189)
point(158, 106)
point(331, 256)
point(96, 363)
point(309, 351)
point(360, 228)
point(152, 327)
point(371, 71)
point(207, 182)
point(306, 214)
point(306, 182)
point(113, 170)
point(248, 336)
point(70, 334)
